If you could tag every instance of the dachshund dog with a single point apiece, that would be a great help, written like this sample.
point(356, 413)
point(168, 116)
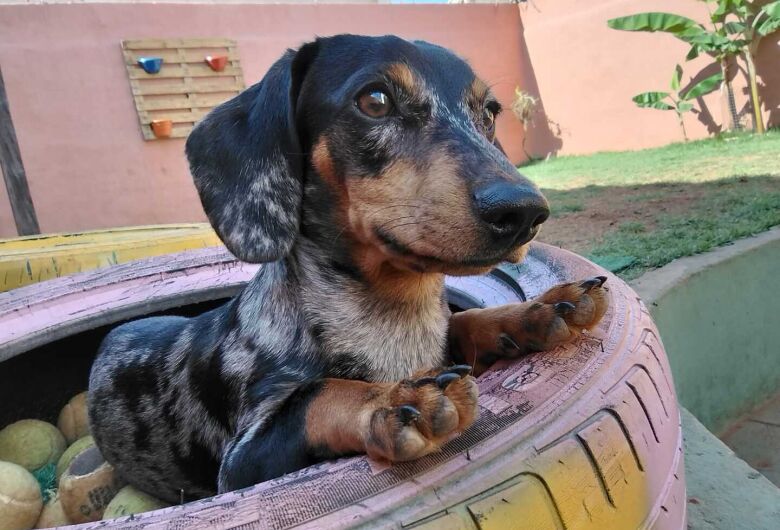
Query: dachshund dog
point(360, 170)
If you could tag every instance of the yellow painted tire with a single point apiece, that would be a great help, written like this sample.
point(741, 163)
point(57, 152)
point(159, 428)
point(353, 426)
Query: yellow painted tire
point(27, 260)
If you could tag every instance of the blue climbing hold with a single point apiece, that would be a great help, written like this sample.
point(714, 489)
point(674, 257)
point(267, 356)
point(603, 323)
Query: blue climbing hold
point(151, 65)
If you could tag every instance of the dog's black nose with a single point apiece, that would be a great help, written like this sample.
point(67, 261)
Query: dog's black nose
point(511, 211)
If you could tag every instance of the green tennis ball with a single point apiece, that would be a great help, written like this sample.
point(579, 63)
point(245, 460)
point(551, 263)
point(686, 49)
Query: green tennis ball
point(52, 514)
point(31, 443)
point(129, 501)
point(73, 420)
point(20, 498)
point(87, 486)
point(71, 453)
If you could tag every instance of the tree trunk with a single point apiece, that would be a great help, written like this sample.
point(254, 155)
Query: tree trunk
point(730, 118)
point(758, 120)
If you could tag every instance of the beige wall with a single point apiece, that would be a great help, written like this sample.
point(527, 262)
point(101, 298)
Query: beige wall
point(86, 162)
point(587, 73)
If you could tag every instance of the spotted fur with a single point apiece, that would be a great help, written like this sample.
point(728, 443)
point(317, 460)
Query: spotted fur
point(356, 219)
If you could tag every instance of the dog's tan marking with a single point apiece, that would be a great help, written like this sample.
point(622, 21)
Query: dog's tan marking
point(406, 79)
point(475, 336)
point(518, 254)
point(477, 93)
point(322, 161)
point(423, 207)
point(354, 416)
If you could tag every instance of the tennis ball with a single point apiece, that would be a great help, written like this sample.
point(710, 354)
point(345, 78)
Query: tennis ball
point(52, 514)
point(31, 443)
point(87, 486)
point(73, 421)
point(20, 497)
point(72, 452)
point(129, 501)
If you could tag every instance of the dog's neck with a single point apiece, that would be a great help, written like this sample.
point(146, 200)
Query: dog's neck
point(392, 323)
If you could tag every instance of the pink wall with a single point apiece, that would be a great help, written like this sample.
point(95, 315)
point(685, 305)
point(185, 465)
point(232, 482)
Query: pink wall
point(7, 226)
point(88, 166)
point(86, 162)
point(586, 74)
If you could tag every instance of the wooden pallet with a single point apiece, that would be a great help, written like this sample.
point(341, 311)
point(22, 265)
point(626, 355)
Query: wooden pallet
point(186, 88)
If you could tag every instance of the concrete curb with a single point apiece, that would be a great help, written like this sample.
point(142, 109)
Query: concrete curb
point(717, 314)
point(724, 493)
point(653, 285)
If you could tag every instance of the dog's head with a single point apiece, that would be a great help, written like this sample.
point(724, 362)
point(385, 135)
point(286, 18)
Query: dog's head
point(384, 144)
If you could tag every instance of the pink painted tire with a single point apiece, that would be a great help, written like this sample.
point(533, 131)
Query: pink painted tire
point(583, 437)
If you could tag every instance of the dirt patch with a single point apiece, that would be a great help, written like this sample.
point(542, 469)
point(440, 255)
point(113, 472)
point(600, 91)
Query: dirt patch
point(582, 217)
point(606, 209)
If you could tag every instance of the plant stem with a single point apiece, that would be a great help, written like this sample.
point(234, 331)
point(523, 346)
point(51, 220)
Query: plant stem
point(682, 124)
point(755, 102)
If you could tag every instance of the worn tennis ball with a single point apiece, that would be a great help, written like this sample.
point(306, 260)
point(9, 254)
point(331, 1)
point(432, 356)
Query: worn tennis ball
point(73, 420)
point(72, 452)
point(87, 486)
point(20, 497)
point(52, 514)
point(31, 443)
point(129, 501)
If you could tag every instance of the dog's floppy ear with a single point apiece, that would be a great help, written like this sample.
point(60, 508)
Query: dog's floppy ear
point(247, 163)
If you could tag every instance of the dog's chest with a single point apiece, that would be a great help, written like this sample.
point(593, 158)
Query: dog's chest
point(384, 342)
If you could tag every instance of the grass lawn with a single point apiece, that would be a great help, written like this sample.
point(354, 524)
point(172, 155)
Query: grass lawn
point(636, 210)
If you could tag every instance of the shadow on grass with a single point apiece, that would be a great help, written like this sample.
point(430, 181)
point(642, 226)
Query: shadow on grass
point(630, 229)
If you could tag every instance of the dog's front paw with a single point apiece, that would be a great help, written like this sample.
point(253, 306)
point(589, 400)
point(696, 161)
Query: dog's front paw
point(481, 336)
point(556, 317)
point(417, 415)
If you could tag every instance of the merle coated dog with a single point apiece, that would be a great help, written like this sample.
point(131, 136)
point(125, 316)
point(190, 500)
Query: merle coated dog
point(360, 170)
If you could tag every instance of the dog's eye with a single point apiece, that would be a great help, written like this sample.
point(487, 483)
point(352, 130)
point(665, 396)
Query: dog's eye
point(488, 119)
point(375, 103)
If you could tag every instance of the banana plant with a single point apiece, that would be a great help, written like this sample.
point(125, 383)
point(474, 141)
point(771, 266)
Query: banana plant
point(678, 100)
point(738, 26)
point(716, 43)
point(751, 20)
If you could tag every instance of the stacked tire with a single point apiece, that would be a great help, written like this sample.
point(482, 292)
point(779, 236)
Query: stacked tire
point(586, 436)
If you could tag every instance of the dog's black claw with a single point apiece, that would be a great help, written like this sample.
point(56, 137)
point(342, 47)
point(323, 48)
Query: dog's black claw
point(461, 369)
point(596, 281)
point(425, 381)
point(564, 308)
point(445, 379)
point(408, 414)
point(508, 342)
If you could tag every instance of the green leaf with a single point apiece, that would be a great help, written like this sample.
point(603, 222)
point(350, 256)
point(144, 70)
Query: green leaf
point(706, 40)
point(729, 7)
point(772, 9)
point(768, 19)
point(705, 86)
point(675, 84)
point(653, 100)
point(666, 22)
point(693, 53)
point(734, 28)
point(684, 107)
point(725, 8)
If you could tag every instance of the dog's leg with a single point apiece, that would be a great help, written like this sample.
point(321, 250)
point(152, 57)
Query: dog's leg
point(479, 337)
point(389, 421)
